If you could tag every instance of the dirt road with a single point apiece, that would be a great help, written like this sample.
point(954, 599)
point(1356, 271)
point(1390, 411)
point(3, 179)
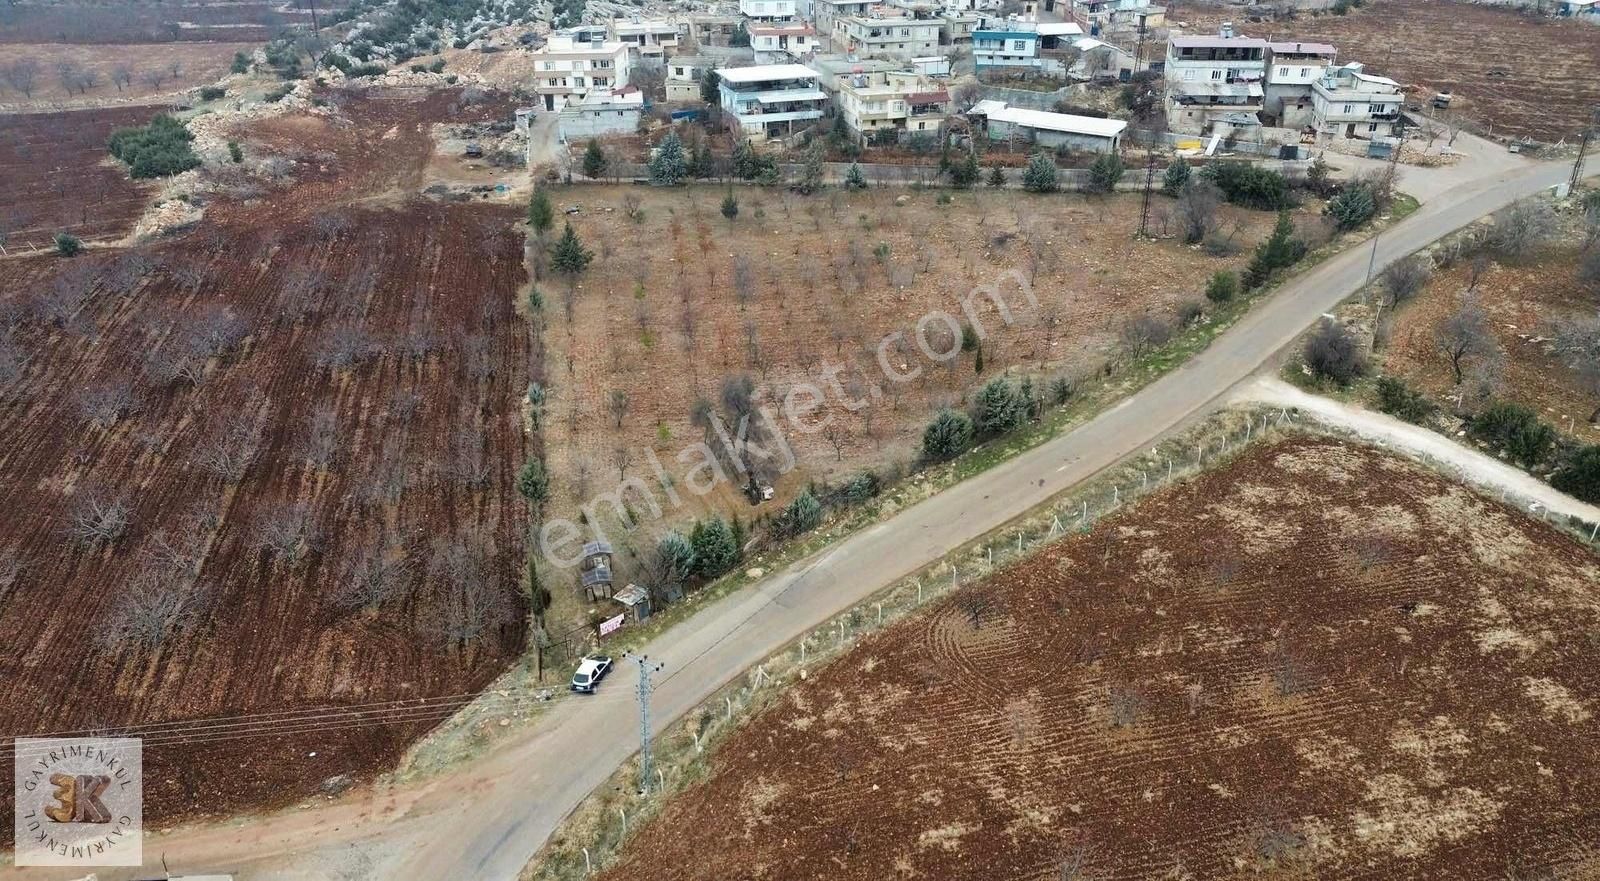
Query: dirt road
point(486, 821)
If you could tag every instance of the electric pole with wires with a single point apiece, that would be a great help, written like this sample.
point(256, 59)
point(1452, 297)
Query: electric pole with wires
point(1149, 184)
point(1583, 149)
point(646, 667)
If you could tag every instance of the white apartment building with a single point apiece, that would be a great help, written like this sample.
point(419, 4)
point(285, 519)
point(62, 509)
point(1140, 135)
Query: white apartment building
point(781, 42)
point(1292, 68)
point(1214, 80)
point(873, 104)
point(956, 27)
point(572, 63)
point(762, 11)
point(1009, 43)
point(1350, 103)
point(888, 37)
point(770, 100)
point(648, 39)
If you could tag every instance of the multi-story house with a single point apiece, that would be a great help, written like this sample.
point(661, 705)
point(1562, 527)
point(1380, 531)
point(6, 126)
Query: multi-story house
point(1350, 103)
point(1006, 44)
point(710, 29)
point(956, 27)
point(782, 42)
point(770, 100)
point(647, 39)
point(1292, 68)
point(683, 76)
point(888, 105)
point(1214, 80)
point(767, 11)
point(574, 62)
point(888, 37)
point(1102, 16)
point(827, 14)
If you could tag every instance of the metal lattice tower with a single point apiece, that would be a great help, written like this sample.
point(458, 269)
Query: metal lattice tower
point(1583, 148)
point(1149, 183)
point(646, 762)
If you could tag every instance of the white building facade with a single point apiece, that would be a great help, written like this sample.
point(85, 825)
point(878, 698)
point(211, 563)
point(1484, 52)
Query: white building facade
point(770, 100)
point(888, 37)
point(574, 63)
point(1348, 102)
point(1292, 69)
point(764, 11)
point(1215, 82)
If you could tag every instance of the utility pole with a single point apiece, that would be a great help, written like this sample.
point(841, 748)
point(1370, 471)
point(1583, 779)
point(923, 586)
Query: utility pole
point(646, 667)
point(1583, 148)
point(1149, 182)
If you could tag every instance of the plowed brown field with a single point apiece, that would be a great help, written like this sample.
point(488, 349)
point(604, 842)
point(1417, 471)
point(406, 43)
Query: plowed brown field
point(56, 176)
point(1524, 75)
point(354, 408)
point(1317, 662)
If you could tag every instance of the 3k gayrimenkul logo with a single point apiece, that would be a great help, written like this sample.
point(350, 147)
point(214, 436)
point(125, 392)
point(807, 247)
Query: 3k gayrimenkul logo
point(80, 801)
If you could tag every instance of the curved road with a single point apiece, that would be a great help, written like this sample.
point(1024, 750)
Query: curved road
point(485, 823)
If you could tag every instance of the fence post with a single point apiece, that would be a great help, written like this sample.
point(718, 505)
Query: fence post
point(588, 867)
point(624, 815)
point(1594, 532)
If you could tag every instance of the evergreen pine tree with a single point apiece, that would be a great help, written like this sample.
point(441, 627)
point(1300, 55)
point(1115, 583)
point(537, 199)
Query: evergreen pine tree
point(730, 206)
point(997, 178)
point(854, 179)
point(594, 160)
point(1040, 177)
point(568, 255)
point(541, 216)
point(667, 167)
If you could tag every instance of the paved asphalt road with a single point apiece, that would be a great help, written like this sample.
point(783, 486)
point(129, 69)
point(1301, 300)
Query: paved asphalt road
point(486, 823)
point(730, 636)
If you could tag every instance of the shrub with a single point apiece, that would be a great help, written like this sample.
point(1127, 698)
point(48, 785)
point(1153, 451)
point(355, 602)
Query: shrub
point(861, 488)
point(1402, 401)
point(68, 245)
point(854, 179)
point(1222, 287)
point(964, 173)
point(533, 482)
point(801, 515)
point(1177, 175)
point(997, 176)
point(235, 152)
point(1580, 476)
point(1280, 250)
point(730, 206)
point(1405, 278)
point(998, 408)
point(1517, 431)
point(159, 149)
point(1040, 176)
point(241, 63)
point(1334, 354)
point(1250, 186)
point(212, 93)
point(1189, 312)
point(716, 549)
point(947, 436)
point(1352, 207)
point(1104, 173)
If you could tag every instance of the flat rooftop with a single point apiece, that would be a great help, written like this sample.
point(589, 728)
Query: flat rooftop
point(1056, 122)
point(764, 72)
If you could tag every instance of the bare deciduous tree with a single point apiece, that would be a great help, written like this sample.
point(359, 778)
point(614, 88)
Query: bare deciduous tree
point(147, 613)
point(345, 345)
point(375, 575)
point(1465, 336)
point(11, 569)
point(618, 403)
point(1141, 334)
point(22, 75)
point(1578, 344)
point(99, 518)
point(1405, 278)
point(228, 449)
point(107, 402)
point(322, 437)
point(472, 602)
point(286, 531)
point(1198, 202)
point(468, 463)
point(1522, 229)
point(744, 279)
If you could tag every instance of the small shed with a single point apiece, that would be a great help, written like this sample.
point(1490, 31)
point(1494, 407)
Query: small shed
point(594, 572)
point(635, 602)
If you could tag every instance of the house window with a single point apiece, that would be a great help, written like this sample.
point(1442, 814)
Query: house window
point(1305, 71)
point(1188, 74)
point(1019, 45)
point(1283, 71)
point(1349, 108)
point(1372, 126)
point(577, 82)
point(1216, 74)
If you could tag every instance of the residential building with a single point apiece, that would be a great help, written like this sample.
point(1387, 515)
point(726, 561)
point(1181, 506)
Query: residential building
point(1214, 81)
point(683, 76)
point(933, 66)
point(887, 37)
point(1582, 10)
point(614, 111)
point(782, 42)
point(1006, 44)
point(831, 70)
point(827, 14)
point(1292, 68)
point(770, 100)
point(711, 29)
point(574, 62)
point(647, 39)
point(1053, 130)
point(767, 11)
point(1350, 103)
point(1103, 16)
point(956, 27)
point(891, 105)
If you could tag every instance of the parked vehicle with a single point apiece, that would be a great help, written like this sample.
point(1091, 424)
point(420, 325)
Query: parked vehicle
point(590, 671)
